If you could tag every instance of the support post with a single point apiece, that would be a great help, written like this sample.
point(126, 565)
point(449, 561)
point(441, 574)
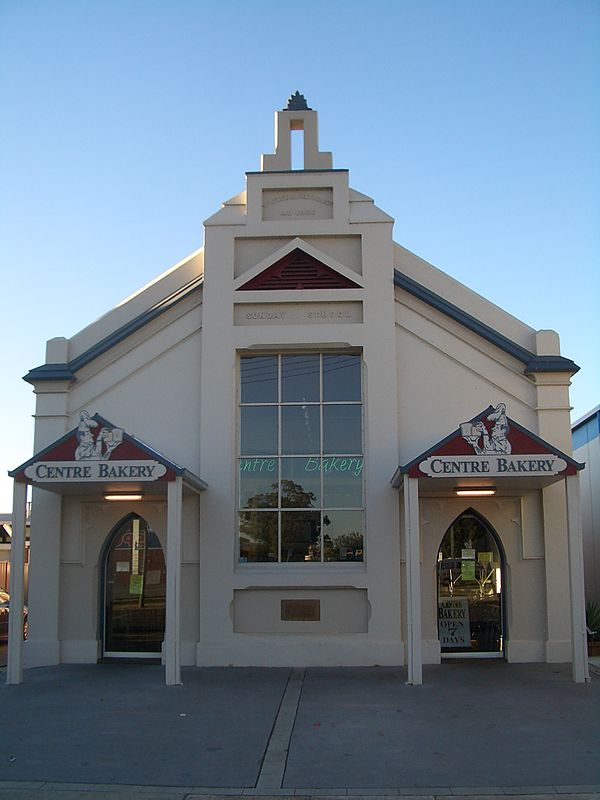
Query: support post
point(576, 581)
point(173, 611)
point(413, 581)
point(14, 664)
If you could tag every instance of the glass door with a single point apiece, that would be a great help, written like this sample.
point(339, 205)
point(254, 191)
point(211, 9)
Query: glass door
point(134, 592)
point(469, 585)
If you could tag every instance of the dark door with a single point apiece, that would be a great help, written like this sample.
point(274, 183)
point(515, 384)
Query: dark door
point(134, 591)
point(470, 583)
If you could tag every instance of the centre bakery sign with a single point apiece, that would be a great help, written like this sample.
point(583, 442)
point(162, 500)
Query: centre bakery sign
point(494, 466)
point(96, 451)
point(491, 445)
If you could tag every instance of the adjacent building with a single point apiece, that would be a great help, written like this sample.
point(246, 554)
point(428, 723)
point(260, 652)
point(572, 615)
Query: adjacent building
point(586, 448)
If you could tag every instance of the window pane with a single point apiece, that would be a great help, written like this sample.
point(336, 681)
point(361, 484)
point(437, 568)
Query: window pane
point(300, 482)
point(258, 535)
point(342, 429)
point(300, 379)
point(342, 482)
point(341, 378)
point(258, 436)
point(300, 429)
point(300, 536)
point(258, 483)
point(258, 379)
point(343, 535)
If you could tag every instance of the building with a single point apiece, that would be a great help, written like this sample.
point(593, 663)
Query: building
point(586, 448)
point(5, 541)
point(303, 445)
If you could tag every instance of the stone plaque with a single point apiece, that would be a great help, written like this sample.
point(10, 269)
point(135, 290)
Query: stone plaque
point(297, 204)
point(297, 313)
point(301, 610)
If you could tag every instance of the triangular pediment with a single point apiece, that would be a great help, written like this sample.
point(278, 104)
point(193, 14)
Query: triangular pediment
point(96, 451)
point(490, 445)
point(298, 266)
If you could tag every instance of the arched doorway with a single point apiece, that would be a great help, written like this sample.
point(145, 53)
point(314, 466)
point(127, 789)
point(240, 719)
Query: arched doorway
point(470, 583)
point(133, 591)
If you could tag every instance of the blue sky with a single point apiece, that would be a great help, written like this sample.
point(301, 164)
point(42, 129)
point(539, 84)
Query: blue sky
point(125, 124)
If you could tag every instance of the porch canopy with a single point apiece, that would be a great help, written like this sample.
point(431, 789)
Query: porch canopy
point(99, 458)
point(490, 454)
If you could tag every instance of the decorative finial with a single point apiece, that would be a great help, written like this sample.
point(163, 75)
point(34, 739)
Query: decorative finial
point(297, 102)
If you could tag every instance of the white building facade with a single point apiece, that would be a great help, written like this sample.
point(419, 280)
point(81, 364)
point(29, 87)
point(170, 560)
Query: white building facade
point(286, 419)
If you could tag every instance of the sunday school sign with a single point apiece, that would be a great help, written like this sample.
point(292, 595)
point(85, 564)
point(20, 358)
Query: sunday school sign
point(96, 451)
point(491, 445)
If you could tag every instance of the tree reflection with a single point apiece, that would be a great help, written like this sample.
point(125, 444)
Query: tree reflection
point(293, 495)
point(294, 532)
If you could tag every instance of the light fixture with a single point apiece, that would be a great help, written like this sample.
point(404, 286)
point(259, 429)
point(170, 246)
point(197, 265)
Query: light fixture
point(124, 496)
point(475, 491)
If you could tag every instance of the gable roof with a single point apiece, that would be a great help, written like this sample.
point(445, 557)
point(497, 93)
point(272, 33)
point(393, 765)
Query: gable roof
point(299, 268)
point(74, 453)
point(522, 442)
point(66, 371)
point(533, 362)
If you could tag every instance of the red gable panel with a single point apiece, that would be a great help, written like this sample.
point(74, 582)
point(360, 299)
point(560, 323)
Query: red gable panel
point(96, 440)
point(490, 433)
point(298, 270)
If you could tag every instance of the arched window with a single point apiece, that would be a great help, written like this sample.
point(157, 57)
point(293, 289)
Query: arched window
point(470, 580)
point(134, 590)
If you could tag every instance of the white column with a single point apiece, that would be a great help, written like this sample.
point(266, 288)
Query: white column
point(173, 611)
point(413, 580)
point(576, 581)
point(14, 665)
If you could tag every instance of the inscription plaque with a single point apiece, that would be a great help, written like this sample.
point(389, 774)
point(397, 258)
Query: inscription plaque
point(300, 610)
point(297, 313)
point(298, 204)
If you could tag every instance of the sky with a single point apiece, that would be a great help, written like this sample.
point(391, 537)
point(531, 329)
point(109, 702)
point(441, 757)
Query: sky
point(126, 123)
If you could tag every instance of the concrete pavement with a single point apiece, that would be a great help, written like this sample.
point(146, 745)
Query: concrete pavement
point(474, 728)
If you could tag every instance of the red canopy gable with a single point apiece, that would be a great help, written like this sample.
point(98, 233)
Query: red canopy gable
point(96, 451)
point(491, 444)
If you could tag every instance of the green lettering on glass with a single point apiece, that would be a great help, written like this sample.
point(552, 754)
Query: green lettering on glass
point(351, 465)
point(334, 464)
point(257, 465)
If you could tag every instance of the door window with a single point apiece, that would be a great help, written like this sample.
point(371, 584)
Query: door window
point(135, 591)
point(469, 582)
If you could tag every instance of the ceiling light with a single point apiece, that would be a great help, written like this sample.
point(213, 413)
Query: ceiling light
point(475, 491)
point(124, 496)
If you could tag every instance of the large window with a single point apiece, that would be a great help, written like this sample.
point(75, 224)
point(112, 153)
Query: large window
point(300, 482)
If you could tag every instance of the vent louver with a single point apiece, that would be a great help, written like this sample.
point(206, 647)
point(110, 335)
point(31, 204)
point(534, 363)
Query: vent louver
point(298, 270)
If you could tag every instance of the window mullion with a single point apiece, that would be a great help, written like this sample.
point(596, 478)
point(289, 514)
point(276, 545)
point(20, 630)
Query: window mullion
point(279, 450)
point(322, 498)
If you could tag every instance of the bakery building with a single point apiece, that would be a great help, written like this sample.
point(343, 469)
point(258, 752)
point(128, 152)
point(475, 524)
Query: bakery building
point(302, 445)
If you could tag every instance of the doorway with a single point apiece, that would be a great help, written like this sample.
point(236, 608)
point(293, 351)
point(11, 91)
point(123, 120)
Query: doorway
point(470, 585)
point(134, 591)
